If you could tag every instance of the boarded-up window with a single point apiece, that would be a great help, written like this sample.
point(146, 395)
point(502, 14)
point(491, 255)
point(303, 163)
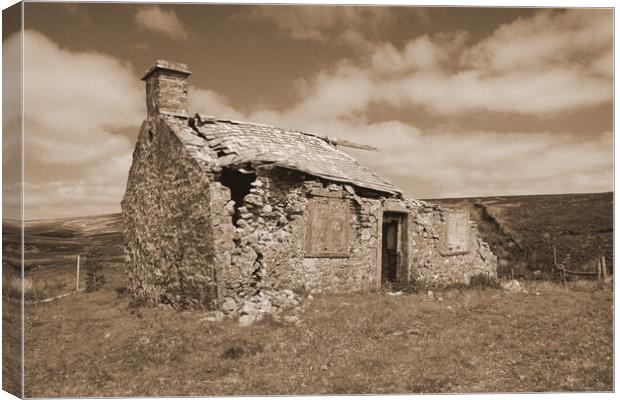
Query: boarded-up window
point(328, 227)
point(456, 234)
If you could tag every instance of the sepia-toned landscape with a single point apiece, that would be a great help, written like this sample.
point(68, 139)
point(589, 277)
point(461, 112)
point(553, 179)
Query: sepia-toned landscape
point(231, 199)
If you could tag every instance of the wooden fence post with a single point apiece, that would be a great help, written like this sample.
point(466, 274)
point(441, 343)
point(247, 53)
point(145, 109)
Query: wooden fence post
point(77, 274)
point(604, 267)
point(555, 264)
point(599, 273)
point(563, 280)
point(564, 268)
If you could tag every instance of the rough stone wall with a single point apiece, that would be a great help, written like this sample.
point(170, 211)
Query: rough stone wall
point(428, 267)
point(359, 271)
point(266, 247)
point(167, 220)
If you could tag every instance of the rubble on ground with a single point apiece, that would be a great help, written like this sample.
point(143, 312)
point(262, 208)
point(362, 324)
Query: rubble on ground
point(514, 286)
point(281, 305)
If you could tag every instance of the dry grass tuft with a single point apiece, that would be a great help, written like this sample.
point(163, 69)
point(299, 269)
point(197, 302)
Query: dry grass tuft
point(34, 289)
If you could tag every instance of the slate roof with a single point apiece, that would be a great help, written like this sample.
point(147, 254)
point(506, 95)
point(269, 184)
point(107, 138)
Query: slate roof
point(239, 142)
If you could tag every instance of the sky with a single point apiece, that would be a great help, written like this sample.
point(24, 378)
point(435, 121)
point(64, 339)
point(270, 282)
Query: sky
point(461, 102)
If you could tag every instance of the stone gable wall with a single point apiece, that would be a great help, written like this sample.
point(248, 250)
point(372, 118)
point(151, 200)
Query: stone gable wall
point(167, 220)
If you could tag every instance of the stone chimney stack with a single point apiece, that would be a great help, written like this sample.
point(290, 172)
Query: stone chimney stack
point(166, 88)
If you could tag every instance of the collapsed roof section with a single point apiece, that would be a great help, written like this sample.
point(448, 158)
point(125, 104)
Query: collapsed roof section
point(238, 143)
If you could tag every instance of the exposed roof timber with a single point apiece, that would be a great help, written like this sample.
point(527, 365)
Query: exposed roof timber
point(339, 142)
point(346, 143)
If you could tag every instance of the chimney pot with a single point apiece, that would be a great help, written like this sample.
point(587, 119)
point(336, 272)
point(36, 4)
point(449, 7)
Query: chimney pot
point(166, 88)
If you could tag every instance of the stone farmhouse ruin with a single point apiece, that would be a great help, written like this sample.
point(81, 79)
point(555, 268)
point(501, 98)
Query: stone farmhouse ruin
point(218, 210)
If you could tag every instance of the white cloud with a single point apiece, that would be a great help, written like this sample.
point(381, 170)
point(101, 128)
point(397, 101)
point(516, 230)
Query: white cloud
point(436, 163)
point(353, 26)
point(545, 64)
point(547, 90)
point(546, 38)
point(75, 105)
point(96, 191)
point(155, 19)
point(604, 65)
point(11, 128)
point(76, 101)
point(320, 22)
point(422, 53)
point(212, 103)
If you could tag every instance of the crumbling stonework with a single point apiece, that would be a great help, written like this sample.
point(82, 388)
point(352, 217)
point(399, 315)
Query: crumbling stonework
point(218, 217)
point(431, 268)
point(266, 246)
point(167, 221)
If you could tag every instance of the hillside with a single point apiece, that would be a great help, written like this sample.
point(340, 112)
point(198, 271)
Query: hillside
point(522, 230)
point(58, 241)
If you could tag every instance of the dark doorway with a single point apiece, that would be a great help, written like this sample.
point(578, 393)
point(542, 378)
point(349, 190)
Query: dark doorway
point(392, 249)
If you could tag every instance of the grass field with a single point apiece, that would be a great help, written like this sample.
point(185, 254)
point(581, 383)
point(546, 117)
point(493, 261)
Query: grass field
point(475, 340)
point(483, 340)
